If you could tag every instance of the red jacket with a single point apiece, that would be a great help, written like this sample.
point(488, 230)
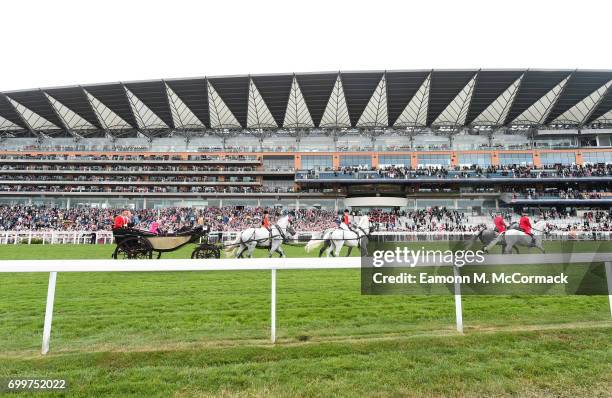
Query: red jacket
point(500, 224)
point(345, 219)
point(525, 224)
point(120, 222)
point(266, 222)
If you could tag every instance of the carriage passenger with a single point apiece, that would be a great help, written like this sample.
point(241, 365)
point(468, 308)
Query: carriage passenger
point(154, 228)
point(123, 220)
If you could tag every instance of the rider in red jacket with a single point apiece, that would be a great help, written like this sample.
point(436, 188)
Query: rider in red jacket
point(266, 220)
point(500, 224)
point(525, 226)
point(346, 221)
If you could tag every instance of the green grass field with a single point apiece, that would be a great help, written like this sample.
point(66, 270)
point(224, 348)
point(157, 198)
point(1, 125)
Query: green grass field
point(206, 334)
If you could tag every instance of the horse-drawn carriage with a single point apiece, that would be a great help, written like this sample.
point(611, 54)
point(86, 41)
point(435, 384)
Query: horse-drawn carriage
point(137, 244)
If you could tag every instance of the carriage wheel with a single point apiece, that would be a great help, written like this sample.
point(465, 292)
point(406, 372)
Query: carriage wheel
point(206, 251)
point(133, 248)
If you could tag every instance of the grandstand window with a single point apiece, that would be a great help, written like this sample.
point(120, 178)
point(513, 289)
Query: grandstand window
point(597, 157)
point(329, 204)
point(355, 160)
point(278, 203)
point(394, 160)
point(278, 162)
point(427, 203)
point(480, 159)
point(434, 160)
point(515, 158)
point(242, 202)
point(468, 204)
point(312, 162)
point(550, 158)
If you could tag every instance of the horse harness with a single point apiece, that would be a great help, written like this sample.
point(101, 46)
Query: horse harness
point(358, 238)
point(250, 239)
point(280, 231)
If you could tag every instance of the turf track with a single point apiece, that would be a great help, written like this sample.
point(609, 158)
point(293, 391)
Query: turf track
point(198, 334)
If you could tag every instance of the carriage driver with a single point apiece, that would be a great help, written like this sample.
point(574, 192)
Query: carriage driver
point(123, 220)
point(525, 226)
point(500, 223)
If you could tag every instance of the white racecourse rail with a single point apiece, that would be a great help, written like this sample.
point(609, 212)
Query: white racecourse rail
point(106, 237)
point(270, 264)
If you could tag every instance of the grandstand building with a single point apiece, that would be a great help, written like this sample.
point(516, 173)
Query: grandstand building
point(465, 139)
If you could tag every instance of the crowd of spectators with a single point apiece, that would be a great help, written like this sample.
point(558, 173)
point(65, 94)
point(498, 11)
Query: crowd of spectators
point(236, 218)
point(129, 158)
point(228, 218)
point(126, 168)
point(424, 220)
point(569, 193)
point(149, 189)
point(121, 178)
point(224, 218)
point(474, 171)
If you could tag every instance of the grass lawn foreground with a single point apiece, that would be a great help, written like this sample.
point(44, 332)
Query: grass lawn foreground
point(206, 333)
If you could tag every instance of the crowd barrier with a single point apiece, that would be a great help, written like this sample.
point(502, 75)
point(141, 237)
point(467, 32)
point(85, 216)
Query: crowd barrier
point(55, 237)
point(106, 237)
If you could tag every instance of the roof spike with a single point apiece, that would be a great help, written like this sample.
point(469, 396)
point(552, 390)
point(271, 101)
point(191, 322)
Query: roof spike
point(220, 115)
point(579, 113)
point(258, 114)
point(536, 114)
point(182, 116)
point(455, 113)
point(31, 118)
point(336, 113)
point(297, 114)
point(497, 111)
point(106, 116)
point(71, 119)
point(415, 113)
point(375, 113)
point(145, 117)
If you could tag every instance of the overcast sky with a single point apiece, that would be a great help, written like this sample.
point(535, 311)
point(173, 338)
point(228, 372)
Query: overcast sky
point(51, 43)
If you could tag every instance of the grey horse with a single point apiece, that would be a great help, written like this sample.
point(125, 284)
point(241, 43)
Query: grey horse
point(514, 237)
point(488, 235)
point(251, 238)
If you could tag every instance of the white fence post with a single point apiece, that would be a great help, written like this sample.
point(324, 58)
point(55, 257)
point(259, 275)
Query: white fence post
point(273, 308)
point(49, 313)
point(458, 308)
point(609, 278)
